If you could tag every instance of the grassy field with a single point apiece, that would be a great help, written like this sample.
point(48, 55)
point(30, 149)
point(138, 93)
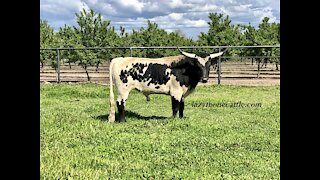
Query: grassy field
point(211, 142)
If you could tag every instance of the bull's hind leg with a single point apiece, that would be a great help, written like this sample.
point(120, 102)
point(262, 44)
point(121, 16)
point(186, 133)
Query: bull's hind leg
point(121, 102)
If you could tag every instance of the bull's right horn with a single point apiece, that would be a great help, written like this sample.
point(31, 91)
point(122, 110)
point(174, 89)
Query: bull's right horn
point(190, 55)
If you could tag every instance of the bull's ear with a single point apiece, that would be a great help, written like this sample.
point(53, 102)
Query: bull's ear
point(213, 61)
point(183, 63)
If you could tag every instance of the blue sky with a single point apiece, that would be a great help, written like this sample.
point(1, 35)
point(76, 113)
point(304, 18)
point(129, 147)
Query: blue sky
point(190, 16)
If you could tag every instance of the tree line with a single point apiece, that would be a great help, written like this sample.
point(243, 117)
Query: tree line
point(93, 31)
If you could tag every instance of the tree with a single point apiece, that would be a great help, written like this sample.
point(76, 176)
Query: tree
point(269, 34)
point(46, 41)
point(68, 38)
point(220, 33)
point(266, 34)
point(93, 32)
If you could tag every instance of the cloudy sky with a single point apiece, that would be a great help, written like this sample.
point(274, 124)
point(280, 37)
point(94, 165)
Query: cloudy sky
point(190, 16)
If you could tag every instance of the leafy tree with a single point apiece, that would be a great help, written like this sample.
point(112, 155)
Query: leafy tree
point(152, 35)
point(46, 41)
point(221, 32)
point(268, 34)
point(68, 38)
point(93, 32)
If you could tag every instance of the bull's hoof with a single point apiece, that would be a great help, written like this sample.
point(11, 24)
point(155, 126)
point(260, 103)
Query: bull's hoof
point(122, 121)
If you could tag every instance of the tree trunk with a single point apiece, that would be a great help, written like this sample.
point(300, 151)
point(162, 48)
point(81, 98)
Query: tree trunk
point(97, 66)
point(69, 65)
point(85, 67)
point(266, 62)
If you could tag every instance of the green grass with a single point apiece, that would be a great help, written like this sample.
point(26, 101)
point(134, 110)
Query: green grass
point(76, 142)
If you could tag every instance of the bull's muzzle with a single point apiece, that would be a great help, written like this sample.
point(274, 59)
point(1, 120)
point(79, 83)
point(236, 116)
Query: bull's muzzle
point(205, 80)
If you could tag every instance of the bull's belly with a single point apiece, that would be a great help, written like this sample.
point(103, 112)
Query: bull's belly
point(147, 89)
point(152, 88)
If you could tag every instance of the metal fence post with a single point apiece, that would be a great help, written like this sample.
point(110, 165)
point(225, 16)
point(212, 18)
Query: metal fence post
point(219, 67)
point(130, 51)
point(258, 67)
point(58, 65)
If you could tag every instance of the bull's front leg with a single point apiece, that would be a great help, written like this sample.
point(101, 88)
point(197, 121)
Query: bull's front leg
point(177, 105)
point(181, 108)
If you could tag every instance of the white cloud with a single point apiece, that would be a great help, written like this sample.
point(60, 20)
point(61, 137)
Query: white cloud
point(195, 23)
point(152, 6)
point(132, 4)
point(175, 3)
point(264, 12)
point(204, 8)
point(175, 16)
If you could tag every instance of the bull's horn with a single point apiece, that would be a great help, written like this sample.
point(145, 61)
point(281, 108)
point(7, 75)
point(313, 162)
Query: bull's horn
point(216, 55)
point(190, 55)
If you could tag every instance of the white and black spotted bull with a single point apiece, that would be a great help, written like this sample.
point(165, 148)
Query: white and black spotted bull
point(176, 76)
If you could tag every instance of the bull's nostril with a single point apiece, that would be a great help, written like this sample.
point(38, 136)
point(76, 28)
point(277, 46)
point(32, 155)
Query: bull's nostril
point(204, 80)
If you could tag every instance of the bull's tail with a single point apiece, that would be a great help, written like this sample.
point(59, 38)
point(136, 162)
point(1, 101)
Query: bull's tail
point(112, 112)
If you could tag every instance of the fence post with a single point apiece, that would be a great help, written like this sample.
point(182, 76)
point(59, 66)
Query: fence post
point(130, 51)
point(58, 65)
point(219, 67)
point(258, 67)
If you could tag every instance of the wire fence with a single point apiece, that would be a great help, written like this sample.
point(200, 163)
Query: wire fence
point(256, 57)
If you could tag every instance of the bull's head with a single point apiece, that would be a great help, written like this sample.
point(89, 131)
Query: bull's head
point(204, 61)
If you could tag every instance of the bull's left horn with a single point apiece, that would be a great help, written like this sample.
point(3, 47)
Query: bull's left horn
point(216, 55)
point(190, 55)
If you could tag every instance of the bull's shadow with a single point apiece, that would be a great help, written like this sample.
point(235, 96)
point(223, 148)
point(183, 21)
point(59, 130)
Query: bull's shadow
point(131, 114)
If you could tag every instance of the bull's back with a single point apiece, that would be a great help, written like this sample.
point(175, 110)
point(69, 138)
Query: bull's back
point(164, 60)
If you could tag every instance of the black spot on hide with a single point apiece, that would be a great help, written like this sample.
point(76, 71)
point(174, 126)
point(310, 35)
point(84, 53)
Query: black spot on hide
point(155, 73)
point(123, 76)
